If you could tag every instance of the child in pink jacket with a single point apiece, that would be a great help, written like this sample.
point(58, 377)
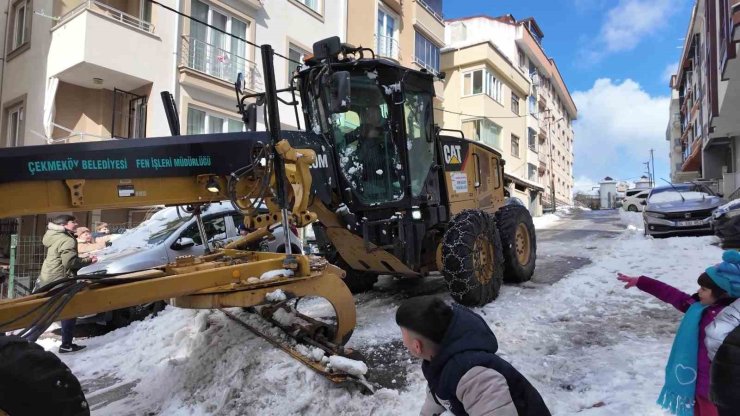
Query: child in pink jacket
point(686, 390)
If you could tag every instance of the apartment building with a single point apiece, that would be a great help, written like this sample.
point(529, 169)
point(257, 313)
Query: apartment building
point(502, 89)
point(673, 137)
point(410, 32)
point(81, 70)
point(708, 87)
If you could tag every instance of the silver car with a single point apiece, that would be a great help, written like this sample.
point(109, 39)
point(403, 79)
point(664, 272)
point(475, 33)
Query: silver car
point(171, 233)
point(680, 209)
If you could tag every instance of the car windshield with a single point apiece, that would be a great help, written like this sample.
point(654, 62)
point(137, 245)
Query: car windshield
point(691, 192)
point(153, 231)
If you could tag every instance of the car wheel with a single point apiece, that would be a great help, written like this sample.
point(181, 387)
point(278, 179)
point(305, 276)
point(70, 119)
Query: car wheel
point(632, 208)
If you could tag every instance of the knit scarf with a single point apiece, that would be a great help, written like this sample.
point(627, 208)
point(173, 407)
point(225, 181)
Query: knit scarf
point(679, 390)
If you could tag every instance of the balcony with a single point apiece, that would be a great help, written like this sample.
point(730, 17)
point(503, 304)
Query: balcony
point(203, 64)
point(387, 47)
point(429, 22)
point(542, 168)
point(93, 44)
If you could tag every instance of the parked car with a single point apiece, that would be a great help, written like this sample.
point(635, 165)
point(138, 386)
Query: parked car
point(680, 209)
point(726, 224)
point(635, 199)
point(168, 234)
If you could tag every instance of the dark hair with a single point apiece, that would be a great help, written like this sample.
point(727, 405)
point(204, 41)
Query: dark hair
point(428, 316)
point(706, 282)
point(63, 219)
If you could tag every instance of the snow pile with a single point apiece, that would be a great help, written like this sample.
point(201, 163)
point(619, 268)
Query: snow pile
point(349, 366)
point(276, 296)
point(545, 221)
point(275, 274)
point(633, 220)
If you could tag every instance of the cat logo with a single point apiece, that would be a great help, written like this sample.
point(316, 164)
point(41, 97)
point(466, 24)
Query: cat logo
point(321, 161)
point(453, 154)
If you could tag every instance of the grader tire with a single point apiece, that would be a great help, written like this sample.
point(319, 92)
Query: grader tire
point(519, 242)
point(36, 382)
point(472, 262)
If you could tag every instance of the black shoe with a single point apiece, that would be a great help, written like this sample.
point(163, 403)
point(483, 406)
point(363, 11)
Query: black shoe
point(63, 349)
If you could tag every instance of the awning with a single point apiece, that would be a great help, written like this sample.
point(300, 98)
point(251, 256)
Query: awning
point(523, 182)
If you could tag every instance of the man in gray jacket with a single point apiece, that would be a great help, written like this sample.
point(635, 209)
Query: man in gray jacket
point(463, 372)
point(62, 262)
point(723, 345)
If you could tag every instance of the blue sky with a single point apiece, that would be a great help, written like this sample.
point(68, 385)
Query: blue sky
point(616, 57)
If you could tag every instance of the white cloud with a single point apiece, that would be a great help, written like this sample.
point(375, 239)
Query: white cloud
point(618, 123)
point(669, 71)
point(627, 24)
point(584, 184)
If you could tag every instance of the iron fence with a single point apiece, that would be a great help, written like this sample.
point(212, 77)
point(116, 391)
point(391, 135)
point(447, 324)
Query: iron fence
point(27, 254)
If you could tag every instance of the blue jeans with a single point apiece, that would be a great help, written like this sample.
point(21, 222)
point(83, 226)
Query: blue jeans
point(68, 329)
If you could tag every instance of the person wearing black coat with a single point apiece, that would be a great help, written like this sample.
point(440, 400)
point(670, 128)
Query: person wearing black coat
point(725, 376)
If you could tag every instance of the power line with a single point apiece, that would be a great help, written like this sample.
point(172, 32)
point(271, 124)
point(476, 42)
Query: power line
point(220, 30)
point(476, 116)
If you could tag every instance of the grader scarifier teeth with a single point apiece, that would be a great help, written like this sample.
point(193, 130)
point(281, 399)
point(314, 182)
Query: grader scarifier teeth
point(317, 366)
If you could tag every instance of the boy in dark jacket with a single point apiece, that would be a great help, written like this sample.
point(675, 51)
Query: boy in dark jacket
point(463, 372)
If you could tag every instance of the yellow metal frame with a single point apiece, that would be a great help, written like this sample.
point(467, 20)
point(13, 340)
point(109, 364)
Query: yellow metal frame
point(223, 279)
point(215, 281)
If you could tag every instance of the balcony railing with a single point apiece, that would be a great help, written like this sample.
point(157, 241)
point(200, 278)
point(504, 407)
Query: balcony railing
point(387, 46)
point(110, 12)
point(426, 66)
point(219, 63)
point(431, 11)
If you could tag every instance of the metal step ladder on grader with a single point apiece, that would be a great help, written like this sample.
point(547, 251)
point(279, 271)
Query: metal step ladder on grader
point(384, 190)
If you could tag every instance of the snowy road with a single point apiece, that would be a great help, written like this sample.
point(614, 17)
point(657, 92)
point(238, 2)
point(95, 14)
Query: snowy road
point(589, 346)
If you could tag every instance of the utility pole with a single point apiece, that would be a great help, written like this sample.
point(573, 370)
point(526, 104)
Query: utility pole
point(650, 175)
point(652, 163)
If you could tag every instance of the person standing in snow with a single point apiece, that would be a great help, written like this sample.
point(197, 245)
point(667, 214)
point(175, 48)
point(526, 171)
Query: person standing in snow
point(686, 389)
point(463, 372)
point(723, 346)
point(62, 262)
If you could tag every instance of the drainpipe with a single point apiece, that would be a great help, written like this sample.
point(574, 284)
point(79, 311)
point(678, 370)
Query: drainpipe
point(3, 58)
point(178, 52)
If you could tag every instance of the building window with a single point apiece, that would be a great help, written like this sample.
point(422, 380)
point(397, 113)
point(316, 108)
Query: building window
point(15, 116)
point(202, 122)
point(214, 52)
point(311, 4)
point(522, 61)
point(19, 33)
point(426, 54)
point(532, 172)
point(480, 81)
point(514, 146)
point(532, 139)
point(533, 105)
point(483, 130)
point(514, 103)
point(386, 34)
point(297, 54)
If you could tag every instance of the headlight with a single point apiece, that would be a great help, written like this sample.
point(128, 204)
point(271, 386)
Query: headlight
point(654, 214)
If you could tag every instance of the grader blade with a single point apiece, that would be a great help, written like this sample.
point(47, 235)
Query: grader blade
point(316, 364)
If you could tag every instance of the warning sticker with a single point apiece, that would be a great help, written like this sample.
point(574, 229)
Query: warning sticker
point(459, 182)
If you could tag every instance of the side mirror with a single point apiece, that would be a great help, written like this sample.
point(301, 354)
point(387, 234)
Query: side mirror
point(339, 88)
point(183, 243)
point(250, 117)
point(239, 84)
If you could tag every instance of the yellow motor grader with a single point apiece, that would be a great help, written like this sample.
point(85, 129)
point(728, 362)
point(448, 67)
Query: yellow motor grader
point(383, 189)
